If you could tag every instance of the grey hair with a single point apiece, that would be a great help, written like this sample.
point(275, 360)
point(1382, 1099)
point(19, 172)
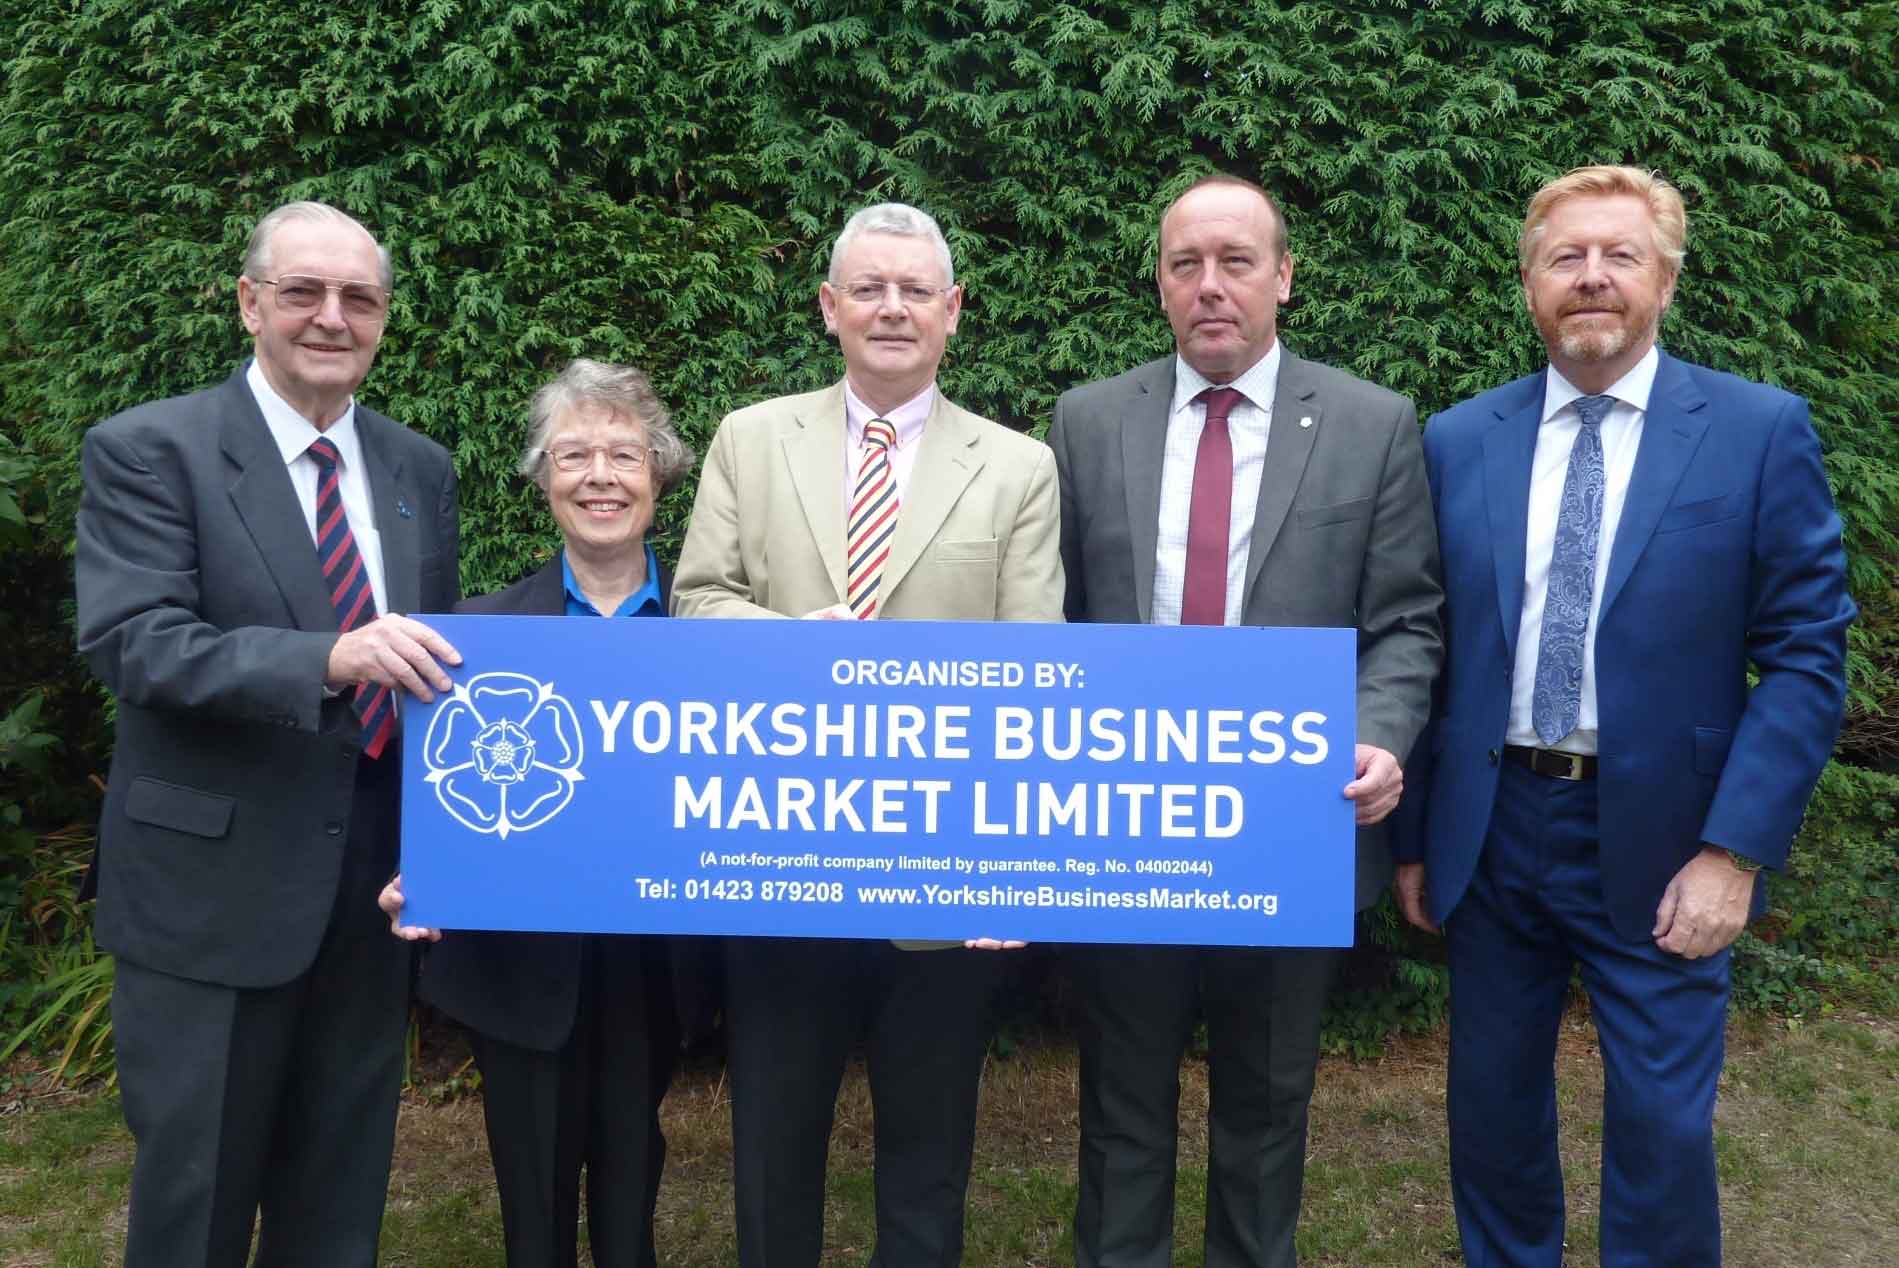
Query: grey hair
point(618, 389)
point(257, 251)
point(901, 220)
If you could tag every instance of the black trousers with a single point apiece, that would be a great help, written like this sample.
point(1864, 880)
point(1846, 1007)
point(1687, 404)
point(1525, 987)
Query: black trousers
point(592, 1103)
point(1262, 1008)
point(794, 1008)
point(279, 1101)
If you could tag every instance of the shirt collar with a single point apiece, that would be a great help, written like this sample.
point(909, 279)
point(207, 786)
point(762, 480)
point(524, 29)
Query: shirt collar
point(1259, 384)
point(1631, 389)
point(647, 596)
point(291, 431)
point(908, 418)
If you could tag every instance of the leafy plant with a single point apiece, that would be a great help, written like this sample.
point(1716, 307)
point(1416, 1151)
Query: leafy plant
point(659, 183)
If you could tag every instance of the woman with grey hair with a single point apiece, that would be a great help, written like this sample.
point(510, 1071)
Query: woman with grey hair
point(575, 1035)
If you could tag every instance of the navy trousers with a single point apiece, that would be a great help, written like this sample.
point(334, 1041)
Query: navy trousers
point(1533, 912)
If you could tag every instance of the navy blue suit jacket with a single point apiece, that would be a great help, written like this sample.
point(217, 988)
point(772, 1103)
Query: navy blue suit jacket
point(1727, 555)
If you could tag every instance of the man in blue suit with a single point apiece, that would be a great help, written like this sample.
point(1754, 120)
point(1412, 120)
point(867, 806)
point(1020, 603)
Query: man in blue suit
point(1623, 536)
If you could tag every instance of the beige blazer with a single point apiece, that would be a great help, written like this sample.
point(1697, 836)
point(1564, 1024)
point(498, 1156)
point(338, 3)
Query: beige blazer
point(978, 535)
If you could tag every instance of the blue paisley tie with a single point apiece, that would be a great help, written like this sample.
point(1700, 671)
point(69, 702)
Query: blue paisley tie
point(1559, 656)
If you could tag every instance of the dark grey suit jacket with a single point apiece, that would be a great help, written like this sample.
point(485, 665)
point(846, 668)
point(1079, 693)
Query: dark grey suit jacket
point(1343, 534)
point(202, 607)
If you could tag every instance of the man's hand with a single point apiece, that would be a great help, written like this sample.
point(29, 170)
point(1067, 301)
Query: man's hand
point(1380, 782)
point(836, 612)
point(1407, 887)
point(1704, 907)
point(396, 652)
point(391, 900)
point(992, 944)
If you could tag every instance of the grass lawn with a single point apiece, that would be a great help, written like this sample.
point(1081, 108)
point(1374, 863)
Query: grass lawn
point(1807, 1137)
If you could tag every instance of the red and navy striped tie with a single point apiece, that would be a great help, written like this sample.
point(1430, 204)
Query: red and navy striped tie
point(348, 581)
point(872, 520)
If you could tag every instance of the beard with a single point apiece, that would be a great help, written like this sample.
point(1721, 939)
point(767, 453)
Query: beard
point(1593, 342)
point(1600, 338)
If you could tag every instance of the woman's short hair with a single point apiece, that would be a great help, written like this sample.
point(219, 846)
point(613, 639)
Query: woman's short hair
point(617, 389)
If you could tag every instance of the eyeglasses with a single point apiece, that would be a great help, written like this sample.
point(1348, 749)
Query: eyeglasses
point(580, 457)
point(302, 293)
point(914, 294)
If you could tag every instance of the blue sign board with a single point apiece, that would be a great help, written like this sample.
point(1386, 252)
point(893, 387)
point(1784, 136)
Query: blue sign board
point(885, 779)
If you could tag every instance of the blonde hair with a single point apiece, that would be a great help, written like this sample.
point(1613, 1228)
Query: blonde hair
point(1665, 209)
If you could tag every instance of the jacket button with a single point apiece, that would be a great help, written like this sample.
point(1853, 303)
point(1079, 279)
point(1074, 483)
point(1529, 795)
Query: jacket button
point(333, 828)
point(1494, 756)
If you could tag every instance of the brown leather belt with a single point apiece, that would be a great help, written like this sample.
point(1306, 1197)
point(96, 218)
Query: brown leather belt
point(1549, 761)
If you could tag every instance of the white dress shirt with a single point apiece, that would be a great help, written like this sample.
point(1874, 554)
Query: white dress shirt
point(908, 418)
point(1621, 432)
point(1247, 426)
point(293, 434)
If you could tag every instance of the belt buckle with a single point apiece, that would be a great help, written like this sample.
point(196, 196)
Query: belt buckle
point(1571, 764)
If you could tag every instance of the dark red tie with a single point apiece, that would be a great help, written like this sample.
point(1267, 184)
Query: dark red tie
point(348, 581)
point(1210, 518)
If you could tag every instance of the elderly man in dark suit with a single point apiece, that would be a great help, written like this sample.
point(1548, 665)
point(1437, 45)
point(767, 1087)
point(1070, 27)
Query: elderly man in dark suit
point(243, 554)
point(1235, 483)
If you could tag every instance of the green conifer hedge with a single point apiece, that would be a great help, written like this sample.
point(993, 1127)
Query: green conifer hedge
point(658, 183)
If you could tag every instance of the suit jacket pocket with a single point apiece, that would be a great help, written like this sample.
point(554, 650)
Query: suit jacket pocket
point(1711, 749)
point(1695, 514)
point(979, 550)
point(1337, 513)
point(182, 809)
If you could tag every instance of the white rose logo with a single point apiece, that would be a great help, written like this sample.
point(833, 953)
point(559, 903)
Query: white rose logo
point(503, 753)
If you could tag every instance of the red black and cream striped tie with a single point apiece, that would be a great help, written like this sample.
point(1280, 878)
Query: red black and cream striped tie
point(348, 582)
point(873, 519)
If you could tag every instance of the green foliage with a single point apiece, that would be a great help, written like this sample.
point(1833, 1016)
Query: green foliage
point(658, 182)
point(55, 984)
point(1832, 929)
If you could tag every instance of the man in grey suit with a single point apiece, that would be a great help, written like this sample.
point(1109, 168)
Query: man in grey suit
point(242, 555)
point(1235, 483)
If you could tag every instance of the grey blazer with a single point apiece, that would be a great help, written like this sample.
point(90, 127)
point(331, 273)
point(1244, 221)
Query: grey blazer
point(202, 608)
point(1343, 534)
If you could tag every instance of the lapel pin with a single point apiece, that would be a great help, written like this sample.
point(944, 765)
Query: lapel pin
point(1306, 421)
point(402, 508)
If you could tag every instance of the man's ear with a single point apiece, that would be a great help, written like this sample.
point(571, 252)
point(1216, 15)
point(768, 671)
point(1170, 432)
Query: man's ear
point(827, 304)
point(249, 294)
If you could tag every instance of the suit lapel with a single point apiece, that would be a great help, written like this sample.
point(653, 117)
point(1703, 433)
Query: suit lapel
point(948, 458)
point(395, 510)
point(1676, 421)
point(1143, 450)
point(1509, 450)
point(266, 502)
point(1288, 449)
point(546, 591)
point(814, 455)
